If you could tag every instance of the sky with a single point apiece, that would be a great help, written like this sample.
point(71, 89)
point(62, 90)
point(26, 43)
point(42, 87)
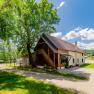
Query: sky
point(77, 21)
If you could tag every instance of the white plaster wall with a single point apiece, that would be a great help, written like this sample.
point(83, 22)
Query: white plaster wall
point(77, 58)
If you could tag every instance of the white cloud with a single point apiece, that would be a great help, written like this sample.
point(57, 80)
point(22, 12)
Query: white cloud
point(86, 45)
point(61, 4)
point(70, 35)
point(57, 34)
point(87, 34)
point(84, 34)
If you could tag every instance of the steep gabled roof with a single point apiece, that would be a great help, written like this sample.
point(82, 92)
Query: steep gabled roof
point(61, 44)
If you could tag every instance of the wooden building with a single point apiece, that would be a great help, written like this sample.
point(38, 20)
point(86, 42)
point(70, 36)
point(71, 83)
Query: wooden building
point(56, 52)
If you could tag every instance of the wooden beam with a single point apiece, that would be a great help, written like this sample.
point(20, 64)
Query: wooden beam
point(54, 60)
point(48, 51)
point(58, 57)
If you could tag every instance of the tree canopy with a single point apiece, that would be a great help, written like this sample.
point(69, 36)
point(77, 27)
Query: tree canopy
point(23, 21)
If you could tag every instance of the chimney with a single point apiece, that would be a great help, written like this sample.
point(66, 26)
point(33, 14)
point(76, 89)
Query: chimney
point(76, 43)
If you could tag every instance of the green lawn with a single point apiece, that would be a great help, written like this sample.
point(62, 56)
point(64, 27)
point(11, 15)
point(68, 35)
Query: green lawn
point(15, 84)
point(87, 65)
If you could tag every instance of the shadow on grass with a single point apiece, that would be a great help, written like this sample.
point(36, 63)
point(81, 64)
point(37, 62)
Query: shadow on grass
point(72, 76)
point(10, 81)
point(68, 74)
point(84, 65)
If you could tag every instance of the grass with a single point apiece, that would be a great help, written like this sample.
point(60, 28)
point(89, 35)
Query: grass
point(90, 58)
point(55, 72)
point(87, 65)
point(68, 75)
point(8, 66)
point(14, 84)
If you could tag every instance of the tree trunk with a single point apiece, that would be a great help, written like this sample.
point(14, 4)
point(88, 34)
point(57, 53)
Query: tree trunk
point(9, 51)
point(30, 56)
point(29, 53)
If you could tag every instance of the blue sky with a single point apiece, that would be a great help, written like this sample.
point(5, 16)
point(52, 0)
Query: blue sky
point(77, 21)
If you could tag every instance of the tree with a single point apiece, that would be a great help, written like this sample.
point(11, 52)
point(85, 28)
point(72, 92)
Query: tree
point(34, 19)
point(4, 4)
point(30, 20)
point(7, 27)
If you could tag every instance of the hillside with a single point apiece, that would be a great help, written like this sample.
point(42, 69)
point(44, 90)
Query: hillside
point(89, 52)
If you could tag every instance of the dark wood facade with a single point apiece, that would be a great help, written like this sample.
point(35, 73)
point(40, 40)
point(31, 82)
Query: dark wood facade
point(42, 46)
point(52, 56)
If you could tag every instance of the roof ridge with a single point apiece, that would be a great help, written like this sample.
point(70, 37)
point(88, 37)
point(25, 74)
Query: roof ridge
point(67, 42)
point(62, 40)
point(60, 43)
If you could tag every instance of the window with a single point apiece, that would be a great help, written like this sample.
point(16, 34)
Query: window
point(82, 60)
point(73, 60)
point(77, 60)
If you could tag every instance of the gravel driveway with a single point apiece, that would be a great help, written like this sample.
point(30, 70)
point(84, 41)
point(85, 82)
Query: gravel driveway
point(84, 86)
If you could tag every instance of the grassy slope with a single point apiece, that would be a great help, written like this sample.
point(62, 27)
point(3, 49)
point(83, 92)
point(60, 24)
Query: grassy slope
point(87, 65)
point(15, 84)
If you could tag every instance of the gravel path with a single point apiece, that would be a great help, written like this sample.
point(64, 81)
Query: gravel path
point(84, 86)
point(89, 61)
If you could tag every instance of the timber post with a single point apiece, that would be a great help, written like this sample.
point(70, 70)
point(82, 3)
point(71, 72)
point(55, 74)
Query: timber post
point(48, 52)
point(54, 60)
point(59, 58)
